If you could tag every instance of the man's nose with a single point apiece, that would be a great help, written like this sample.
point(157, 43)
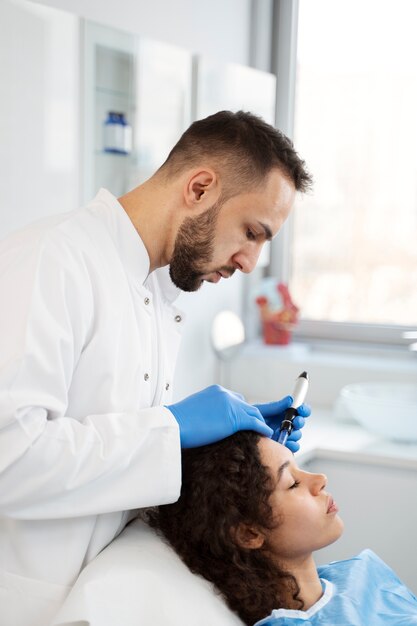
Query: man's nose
point(246, 259)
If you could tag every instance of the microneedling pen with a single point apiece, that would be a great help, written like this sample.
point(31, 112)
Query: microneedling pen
point(299, 394)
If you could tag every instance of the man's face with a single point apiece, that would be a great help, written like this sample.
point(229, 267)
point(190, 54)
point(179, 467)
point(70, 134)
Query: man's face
point(230, 235)
point(307, 518)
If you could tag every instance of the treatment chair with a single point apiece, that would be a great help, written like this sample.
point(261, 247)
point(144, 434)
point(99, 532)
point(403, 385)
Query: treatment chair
point(138, 580)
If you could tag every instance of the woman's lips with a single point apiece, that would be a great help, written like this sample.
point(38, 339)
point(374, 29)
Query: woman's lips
point(332, 506)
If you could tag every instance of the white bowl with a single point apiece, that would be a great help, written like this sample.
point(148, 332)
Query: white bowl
point(387, 409)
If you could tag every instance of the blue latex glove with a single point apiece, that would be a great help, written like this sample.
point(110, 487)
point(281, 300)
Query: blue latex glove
point(274, 412)
point(213, 414)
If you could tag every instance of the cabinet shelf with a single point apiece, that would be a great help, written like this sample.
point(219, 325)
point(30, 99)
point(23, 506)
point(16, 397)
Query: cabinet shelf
point(106, 91)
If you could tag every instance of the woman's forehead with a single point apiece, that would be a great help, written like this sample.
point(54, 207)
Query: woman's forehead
point(273, 454)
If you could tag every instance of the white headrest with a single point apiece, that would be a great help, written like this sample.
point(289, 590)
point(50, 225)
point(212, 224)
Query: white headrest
point(140, 581)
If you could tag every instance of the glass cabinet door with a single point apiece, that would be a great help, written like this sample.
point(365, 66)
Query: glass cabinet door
point(137, 101)
point(163, 112)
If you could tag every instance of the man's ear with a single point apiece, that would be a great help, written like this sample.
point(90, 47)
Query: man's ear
point(248, 536)
point(202, 188)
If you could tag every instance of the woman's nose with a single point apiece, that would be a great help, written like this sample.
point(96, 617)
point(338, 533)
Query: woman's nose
point(318, 483)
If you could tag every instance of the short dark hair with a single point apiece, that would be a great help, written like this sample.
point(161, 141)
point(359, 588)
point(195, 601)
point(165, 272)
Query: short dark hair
point(244, 144)
point(224, 484)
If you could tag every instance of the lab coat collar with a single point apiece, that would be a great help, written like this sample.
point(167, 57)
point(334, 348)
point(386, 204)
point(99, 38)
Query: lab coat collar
point(131, 247)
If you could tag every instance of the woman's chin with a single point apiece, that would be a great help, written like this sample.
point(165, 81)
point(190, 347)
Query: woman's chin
point(338, 530)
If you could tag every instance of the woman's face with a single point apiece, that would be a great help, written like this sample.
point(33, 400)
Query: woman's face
point(307, 518)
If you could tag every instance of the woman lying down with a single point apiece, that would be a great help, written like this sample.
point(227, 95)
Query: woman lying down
point(249, 520)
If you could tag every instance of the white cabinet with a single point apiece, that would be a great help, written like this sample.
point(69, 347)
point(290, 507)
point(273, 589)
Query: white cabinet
point(235, 87)
point(39, 113)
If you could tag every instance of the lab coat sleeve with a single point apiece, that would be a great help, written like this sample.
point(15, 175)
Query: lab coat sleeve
point(52, 465)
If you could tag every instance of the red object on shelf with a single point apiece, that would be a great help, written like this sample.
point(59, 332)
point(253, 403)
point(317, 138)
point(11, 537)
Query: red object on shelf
point(277, 325)
point(276, 333)
point(287, 300)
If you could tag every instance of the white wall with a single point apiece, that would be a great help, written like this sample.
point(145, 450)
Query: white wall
point(219, 28)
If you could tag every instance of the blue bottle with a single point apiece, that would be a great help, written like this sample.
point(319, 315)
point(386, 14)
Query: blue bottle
point(117, 134)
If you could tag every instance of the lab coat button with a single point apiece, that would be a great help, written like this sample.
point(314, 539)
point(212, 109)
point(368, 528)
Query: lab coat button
point(167, 387)
point(178, 318)
point(146, 376)
point(147, 300)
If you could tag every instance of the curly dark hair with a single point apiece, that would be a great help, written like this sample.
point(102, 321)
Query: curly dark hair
point(225, 484)
point(246, 146)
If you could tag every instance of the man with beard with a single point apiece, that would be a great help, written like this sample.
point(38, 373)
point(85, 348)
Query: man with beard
point(89, 341)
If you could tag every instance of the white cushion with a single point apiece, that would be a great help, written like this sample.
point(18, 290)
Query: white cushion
point(138, 580)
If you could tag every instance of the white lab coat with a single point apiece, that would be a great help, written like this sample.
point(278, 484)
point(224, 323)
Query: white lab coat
point(88, 343)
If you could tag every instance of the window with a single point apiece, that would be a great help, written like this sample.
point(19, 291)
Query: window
point(353, 258)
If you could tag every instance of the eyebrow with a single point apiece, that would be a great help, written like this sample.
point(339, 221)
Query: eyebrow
point(267, 230)
point(281, 469)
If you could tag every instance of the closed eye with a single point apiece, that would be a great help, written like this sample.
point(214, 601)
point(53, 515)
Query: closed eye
point(295, 484)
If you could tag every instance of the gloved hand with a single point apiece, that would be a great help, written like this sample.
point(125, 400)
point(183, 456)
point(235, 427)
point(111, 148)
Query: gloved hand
point(274, 412)
point(213, 414)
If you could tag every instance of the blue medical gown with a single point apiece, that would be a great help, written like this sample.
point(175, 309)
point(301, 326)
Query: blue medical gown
point(363, 591)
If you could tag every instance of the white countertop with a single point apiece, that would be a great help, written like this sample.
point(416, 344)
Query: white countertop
point(329, 437)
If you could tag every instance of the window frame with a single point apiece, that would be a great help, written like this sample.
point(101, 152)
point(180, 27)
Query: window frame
point(283, 65)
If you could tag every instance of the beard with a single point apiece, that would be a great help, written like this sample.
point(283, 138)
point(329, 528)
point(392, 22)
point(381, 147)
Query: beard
point(193, 249)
